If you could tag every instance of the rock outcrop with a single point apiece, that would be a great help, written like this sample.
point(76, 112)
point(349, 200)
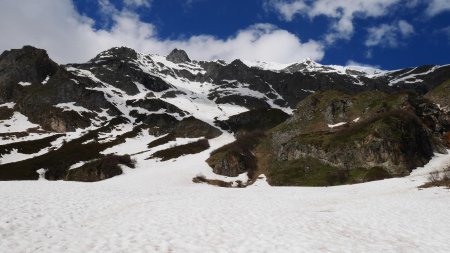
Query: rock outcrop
point(178, 56)
point(333, 131)
point(100, 169)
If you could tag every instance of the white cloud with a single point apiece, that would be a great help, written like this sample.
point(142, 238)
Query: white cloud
point(288, 10)
point(353, 63)
point(341, 12)
point(55, 25)
point(258, 42)
point(389, 35)
point(137, 3)
point(436, 7)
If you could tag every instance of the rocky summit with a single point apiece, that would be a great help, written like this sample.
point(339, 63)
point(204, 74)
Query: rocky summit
point(303, 124)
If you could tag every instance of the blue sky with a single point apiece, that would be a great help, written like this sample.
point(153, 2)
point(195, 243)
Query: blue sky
point(389, 34)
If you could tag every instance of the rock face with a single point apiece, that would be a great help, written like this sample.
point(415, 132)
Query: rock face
point(237, 157)
point(233, 164)
point(101, 169)
point(27, 65)
point(178, 56)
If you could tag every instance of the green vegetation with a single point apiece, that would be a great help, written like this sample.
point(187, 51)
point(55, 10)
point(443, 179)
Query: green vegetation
point(304, 172)
point(309, 171)
point(314, 112)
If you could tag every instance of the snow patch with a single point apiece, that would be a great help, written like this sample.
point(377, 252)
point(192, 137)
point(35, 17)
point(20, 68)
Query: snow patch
point(72, 107)
point(25, 83)
point(337, 124)
point(17, 123)
point(8, 105)
point(41, 173)
point(46, 80)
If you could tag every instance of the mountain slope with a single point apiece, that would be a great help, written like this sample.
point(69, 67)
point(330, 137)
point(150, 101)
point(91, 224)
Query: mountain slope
point(74, 114)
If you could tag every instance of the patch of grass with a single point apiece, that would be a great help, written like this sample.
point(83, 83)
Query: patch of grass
point(187, 149)
point(309, 171)
point(305, 172)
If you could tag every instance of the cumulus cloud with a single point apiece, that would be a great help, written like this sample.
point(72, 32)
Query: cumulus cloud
point(55, 25)
point(258, 42)
point(436, 7)
point(389, 35)
point(341, 12)
point(344, 12)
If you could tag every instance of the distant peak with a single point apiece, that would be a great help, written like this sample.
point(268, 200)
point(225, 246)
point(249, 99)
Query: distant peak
point(27, 50)
point(33, 64)
point(26, 54)
point(238, 62)
point(178, 56)
point(116, 52)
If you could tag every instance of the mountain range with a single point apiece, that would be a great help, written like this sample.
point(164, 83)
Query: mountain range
point(297, 124)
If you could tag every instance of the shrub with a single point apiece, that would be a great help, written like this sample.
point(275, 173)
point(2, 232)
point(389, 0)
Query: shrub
point(202, 179)
point(434, 176)
point(437, 179)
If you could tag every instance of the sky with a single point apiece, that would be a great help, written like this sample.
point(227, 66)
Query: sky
point(387, 34)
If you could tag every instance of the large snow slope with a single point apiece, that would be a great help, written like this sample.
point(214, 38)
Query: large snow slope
point(157, 208)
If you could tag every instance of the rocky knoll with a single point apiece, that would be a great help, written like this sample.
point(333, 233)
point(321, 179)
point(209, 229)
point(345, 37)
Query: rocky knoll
point(335, 138)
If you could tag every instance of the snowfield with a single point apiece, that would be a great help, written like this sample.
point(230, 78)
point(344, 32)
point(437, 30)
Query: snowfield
point(157, 208)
